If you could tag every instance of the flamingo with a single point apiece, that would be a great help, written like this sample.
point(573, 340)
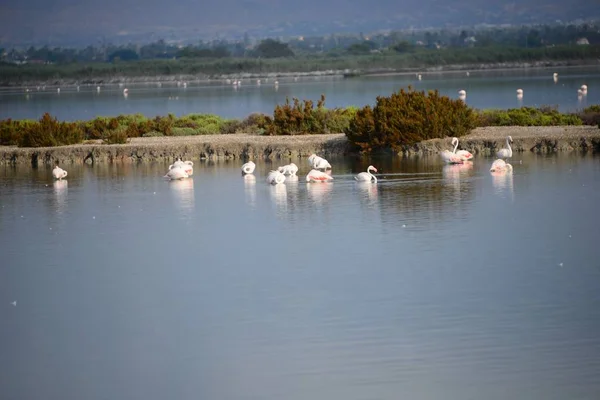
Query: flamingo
point(367, 176)
point(450, 157)
point(318, 176)
point(275, 177)
point(176, 173)
point(317, 162)
point(465, 155)
point(248, 167)
point(289, 169)
point(58, 172)
point(187, 166)
point(506, 153)
point(501, 166)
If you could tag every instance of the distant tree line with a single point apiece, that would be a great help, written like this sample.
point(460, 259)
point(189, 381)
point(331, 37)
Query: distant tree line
point(335, 45)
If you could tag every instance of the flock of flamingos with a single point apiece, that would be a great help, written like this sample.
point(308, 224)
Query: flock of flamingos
point(184, 169)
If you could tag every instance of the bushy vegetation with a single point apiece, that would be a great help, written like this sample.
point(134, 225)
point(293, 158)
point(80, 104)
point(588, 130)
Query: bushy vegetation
point(301, 118)
point(43, 133)
point(590, 115)
point(111, 130)
point(527, 116)
point(407, 117)
point(402, 119)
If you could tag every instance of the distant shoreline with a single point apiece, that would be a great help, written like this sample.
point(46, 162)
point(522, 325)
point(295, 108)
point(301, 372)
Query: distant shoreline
point(349, 73)
point(257, 147)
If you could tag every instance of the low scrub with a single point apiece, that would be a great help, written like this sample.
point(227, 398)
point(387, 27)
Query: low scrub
point(46, 132)
point(408, 117)
point(302, 118)
point(590, 115)
point(527, 116)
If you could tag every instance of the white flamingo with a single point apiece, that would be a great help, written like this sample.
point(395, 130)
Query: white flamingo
point(58, 172)
point(275, 177)
point(176, 173)
point(289, 169)
point(248, 167)
point(367, 176)
point(318, 176)
point(186, 165)
point(464, 154)
point(506, 153)
point(501, 166)
point(450, 157)
point(317, 162)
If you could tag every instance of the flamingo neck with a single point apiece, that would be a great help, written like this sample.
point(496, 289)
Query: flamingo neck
point(455, 146)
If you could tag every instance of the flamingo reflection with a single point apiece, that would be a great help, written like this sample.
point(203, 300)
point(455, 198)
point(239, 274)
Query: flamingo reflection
point(368, 192)
point(319, 192)
point(250, 189)
point(61, 188)
point(503, 182)
point(279, 196)
point(184, 192)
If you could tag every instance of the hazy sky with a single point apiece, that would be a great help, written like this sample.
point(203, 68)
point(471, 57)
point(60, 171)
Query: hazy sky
point(38, 18)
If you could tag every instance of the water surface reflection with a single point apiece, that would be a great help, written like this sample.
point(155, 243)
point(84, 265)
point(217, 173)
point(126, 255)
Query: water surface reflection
point(183, 191)
point(429, 282)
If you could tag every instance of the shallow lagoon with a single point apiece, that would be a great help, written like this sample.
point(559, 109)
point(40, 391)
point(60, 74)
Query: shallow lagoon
point(438, 282)
point(485, 89)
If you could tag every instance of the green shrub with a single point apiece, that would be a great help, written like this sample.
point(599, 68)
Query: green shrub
point(408, 117)
point(230, 126)
point(301, 118)
point(527, 116)
point(255, 124)
point(153, 134)
point(11, 132)
point(184, 131)
point(590, 115)
point(164, 125)
point(49, 132)
point(338, 119)
point(116, 136)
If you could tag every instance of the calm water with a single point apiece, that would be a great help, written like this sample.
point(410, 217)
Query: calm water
point(439, 282)
point(491, 89)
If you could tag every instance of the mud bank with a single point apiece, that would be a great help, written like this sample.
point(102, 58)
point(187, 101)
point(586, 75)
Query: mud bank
point(187, 147)
point(537, 139)
point(483, 141)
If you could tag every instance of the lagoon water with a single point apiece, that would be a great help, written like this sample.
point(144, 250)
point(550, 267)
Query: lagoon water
point(439, 282)
point(485, 89)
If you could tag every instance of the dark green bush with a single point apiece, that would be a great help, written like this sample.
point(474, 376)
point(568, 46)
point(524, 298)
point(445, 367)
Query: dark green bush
point(49, 132)
point(254, 124)
point(11, 132)
point(184, 131)
point(408, 117)
point(301, 118)
point(116, 136)
point(153, 134)
point(590, 115)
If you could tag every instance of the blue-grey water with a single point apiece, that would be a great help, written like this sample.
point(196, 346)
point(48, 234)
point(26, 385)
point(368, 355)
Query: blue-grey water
point(485, 89)
point(438, 282)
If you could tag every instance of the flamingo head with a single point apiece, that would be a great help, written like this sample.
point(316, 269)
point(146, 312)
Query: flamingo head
point(510, 139)
point(454, 140)
point(372, 168)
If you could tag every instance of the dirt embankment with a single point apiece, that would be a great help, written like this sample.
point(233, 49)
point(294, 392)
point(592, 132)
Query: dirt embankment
point(481, 141)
